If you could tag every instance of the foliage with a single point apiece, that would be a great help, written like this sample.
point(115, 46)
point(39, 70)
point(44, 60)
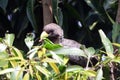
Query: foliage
point(51, 62)
point(45, 61)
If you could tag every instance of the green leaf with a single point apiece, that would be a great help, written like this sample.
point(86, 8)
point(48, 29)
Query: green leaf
point(3, 4)
point(3, 56)
point(9, 39)
point(3, 47)
point(107, 44)
point(31, 15)
point(116, 32)
point(54, 67)
point(7, 71)
point(70, 51)
point(90, 51)
point(43, 70)
point(26, 76)
point(17, 74)
point(56, 57)
point(18, 52)
point(90, 73)
point(74, 69)
point(99, 74)
point(50, 45)
point(29, 40)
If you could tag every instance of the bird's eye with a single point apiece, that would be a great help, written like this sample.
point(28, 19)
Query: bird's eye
point(50, 31)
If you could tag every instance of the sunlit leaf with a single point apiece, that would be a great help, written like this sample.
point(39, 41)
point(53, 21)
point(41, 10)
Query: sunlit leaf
point(38, 76)
point(18, 52)
point(16, 74)
point(29, 40)
point(99, 74)
point(43, 70)
point(41, 52)
point(74, 68)
point(31, 70)
point(49, 60)
point(54, 67)
point(90, 73)
point(13, 63)
point(7, 71)
point(116, 44)
point(3, 47)
point(9, 39)
point(32, 52)
point(14, 58)
point(56, 57)
point(26, 76)
point(107, 44)
point(70, 51)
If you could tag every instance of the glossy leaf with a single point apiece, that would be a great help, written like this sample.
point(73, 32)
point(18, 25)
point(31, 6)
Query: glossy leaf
point(3, 56)
point(43, 70)
point(31, 70)
point(3, 47)
point(18, 52)
point(54, 67)
point(17, 74)
point(90, 73)
point(7, 71)
point(49, 60)
point(99, 74)
point(56, 57)
point(107, 44)
point(26, 76)
point(90, 51)
point(50, 45)
point(9, 39)
point(70, 51)
point(29, 40)
point(74, 69)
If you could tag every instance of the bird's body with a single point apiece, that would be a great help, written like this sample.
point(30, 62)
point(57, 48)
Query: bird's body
point(56, 35)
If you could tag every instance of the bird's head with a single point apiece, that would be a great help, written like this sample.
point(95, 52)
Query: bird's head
point(54, 31)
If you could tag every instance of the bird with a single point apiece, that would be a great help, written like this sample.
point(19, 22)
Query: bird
point(56, 35)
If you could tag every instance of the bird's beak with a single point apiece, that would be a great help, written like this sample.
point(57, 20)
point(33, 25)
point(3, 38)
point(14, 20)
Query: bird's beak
point(44, 35)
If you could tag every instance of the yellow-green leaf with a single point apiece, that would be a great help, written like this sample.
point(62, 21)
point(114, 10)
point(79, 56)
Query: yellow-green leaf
point(107, 44)
point(49, 60)
point(7, 71)
point(17, 51)
point(26, 76)
point(43, 70)
point(54, 67)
